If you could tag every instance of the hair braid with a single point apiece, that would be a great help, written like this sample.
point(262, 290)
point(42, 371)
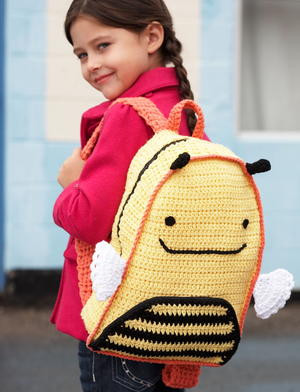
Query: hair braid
point(172, 53)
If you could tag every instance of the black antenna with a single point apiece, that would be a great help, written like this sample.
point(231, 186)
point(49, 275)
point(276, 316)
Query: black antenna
point(181, 161)
point(260, 166)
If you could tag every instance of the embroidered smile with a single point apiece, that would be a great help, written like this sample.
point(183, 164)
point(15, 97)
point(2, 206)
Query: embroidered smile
point(201, 252)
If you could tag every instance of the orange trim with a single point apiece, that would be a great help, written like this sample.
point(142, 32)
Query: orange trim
point(170, 362)
point(175, 117)
point(261, 249)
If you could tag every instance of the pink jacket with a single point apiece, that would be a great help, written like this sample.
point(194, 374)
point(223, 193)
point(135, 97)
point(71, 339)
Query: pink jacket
point(87, 207)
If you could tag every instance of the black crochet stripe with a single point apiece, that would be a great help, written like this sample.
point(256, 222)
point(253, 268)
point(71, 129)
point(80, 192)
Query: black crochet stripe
point(200, 252)
point(173, 338)
point(141, 174)
point(146, 315)
point(143, 311)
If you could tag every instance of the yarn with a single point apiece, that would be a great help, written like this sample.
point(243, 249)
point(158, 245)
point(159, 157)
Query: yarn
point(271, 292)
point(181, 376)
point(181, 161)
point(84, 253)
point(259, 166)
point(191, 231)
point(106, 270)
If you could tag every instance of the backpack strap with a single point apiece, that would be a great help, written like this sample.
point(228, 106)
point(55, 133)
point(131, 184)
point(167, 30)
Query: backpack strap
point(144, 107)
point(147, 110)
point(90, 144)
point(156, 120)
point(181, 376)
point(175, 117)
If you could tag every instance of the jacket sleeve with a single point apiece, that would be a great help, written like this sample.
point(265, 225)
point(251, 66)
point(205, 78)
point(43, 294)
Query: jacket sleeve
point(87, 207)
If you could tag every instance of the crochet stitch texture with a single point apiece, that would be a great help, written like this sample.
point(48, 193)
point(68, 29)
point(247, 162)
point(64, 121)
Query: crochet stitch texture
point(191, 259)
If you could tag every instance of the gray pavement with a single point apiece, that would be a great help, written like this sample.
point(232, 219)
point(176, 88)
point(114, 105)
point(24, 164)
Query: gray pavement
point(34, 357)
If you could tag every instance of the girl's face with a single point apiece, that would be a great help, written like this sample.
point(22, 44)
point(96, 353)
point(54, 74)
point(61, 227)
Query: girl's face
point(113, 58)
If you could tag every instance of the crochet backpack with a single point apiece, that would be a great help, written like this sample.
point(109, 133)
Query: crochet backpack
point(175, 282)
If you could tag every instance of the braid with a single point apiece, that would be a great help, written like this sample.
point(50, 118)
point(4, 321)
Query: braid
point(172, 53)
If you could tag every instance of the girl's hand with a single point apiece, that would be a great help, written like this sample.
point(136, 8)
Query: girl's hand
point(71, 169)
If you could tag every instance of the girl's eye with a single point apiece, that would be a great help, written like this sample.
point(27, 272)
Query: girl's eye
point(81, 55)
point(103, 45)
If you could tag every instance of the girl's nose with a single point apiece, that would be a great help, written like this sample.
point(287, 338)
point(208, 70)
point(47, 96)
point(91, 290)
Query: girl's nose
point(94, 63)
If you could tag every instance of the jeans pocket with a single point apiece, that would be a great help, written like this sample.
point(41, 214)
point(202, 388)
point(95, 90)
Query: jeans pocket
point(135, 376)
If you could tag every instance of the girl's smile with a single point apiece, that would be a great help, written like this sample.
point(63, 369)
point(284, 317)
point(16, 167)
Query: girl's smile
point(100, 80)
point(113, 58)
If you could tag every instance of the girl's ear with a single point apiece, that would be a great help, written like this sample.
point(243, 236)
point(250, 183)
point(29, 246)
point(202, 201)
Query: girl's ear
point(155, 36)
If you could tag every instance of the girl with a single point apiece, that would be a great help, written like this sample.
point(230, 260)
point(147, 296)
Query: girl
point(123, 48)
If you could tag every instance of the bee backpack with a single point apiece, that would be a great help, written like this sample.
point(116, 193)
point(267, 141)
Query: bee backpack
point(175, 282)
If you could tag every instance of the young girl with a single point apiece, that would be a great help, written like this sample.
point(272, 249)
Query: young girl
point(123, 48)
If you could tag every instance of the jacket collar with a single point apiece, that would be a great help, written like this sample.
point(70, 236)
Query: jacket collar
point(152, 80)
point(148, 82)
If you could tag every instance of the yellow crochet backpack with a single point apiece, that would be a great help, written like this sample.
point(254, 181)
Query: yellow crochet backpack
point(175, 283)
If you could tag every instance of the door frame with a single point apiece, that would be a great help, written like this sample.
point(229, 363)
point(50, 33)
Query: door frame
point(2, 140)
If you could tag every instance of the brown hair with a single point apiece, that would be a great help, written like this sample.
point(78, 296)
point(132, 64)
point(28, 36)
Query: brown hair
point(136, 15)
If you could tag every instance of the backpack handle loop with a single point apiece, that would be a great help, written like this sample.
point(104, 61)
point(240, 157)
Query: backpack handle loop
point(175, 117)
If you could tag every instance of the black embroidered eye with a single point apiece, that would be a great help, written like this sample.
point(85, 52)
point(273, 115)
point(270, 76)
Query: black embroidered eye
point(245, 223)
point(170, 221)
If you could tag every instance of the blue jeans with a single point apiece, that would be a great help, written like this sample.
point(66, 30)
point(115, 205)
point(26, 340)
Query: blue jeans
point(102, 373)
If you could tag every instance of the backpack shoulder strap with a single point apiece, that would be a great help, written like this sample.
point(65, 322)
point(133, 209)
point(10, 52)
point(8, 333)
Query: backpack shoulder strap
point(147, 110)
point(144, 107)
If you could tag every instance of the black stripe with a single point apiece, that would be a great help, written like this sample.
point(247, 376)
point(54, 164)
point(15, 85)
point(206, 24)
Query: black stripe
point(140, 176)
point(181, 319)
point(200, 252)
point(173, 338)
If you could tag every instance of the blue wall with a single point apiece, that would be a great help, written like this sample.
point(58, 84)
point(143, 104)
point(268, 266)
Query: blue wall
point(280, 188)
point(32, 162)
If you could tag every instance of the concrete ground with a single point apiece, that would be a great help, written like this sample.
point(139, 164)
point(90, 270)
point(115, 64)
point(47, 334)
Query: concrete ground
point(34, 357)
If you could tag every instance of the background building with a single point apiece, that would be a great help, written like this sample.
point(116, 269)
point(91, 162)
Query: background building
point(243, 59)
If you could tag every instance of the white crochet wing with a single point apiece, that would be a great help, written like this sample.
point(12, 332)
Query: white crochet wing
point(107, 270)
point(271, 292)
